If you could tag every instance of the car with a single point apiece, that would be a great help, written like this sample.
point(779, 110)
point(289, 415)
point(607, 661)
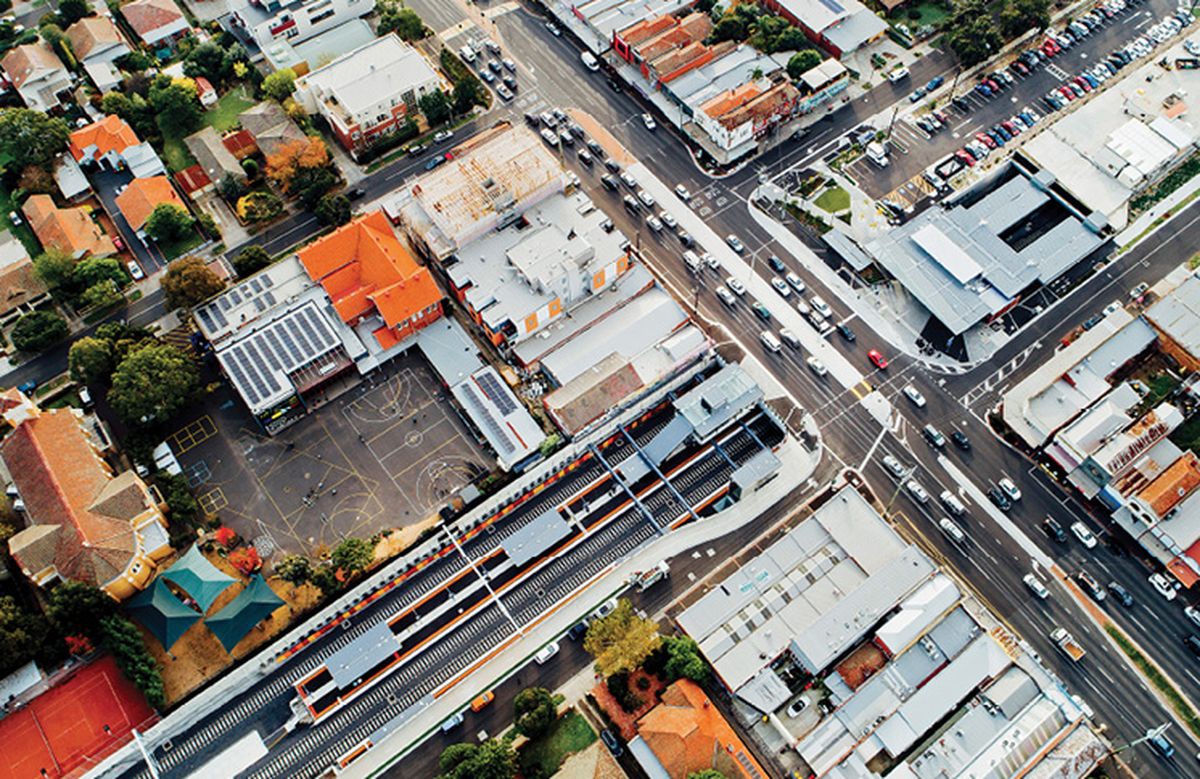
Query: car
point(27, 387)
point(565, 136)
point(480, 703)
point(781, 287)
point(607, 226)
point(916, 94)
point(1010, 489)
point(959, 438)
point(654, 224)
point(586, 157)
point(817, 366)
point(795, 282)
point(1163, 585)
point(966, 157)
point(725, 295)
point(776, 264)
point(668, 220)
point(845, 332)
point(628, 180)
point(1138, 291)
point(952, 504)
point(119, 245)
point(553, 28)
point(611, 742)
point(1082, 704)
point(488, 76)
point(952, 531)
point(1092, 587)
point(933, 436)
point(685, 237)
point(797, 706)
point(453, 722)
point(1054, 530)
point(509, 65)
point(1192, 613)
point(609, 182)
point(761, 311)
point(1035, 586)
point(578, 631)
point(682, 193)
point(1084, 534)
point(894, 466)
point(1121, 594)
point(917, 492)
point(738, 287)
point(712, 262)
point(1157, 741)
point(649, 122)
point(548, 135)
point(789, 338)
point(914, 395)
point(491, 45)
point(547, 652)
point(897, 75)
point(631, 204)
point(135, 270)
point(934, 83)
point(986, 140)
point(416, 149)
point(509, 82)
point(735, 243)
point(647, 199)
point(604, 609)
point(819, 304)
point(612, 165)
point(877, 359)
point(998, 499)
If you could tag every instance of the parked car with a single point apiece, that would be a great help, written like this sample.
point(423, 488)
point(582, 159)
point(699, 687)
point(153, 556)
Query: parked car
point(135, 270)
point(1163, 585)
point(1084, 534)
point(649, 122)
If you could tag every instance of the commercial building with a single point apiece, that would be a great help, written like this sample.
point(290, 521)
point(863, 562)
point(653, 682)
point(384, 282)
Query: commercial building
point(881, 659)
point(37, 74)
point(370, 91)
point(70, 230)
point(314, 52)
point(85, 522)
point(159, 23)
point(737, 119)
point(270, 22)
point(839, 26)
point(595, 22)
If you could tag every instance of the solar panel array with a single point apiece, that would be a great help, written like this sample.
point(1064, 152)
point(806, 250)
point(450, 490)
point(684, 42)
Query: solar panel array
point(256, 291)
point(483, 417)
point(495, 392)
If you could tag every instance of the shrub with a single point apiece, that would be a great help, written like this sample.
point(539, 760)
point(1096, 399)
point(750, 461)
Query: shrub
point(124, 640)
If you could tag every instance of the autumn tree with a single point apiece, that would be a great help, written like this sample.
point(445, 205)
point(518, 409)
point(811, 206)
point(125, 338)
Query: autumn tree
point(294, 569)
point(292, 157)
point(279, 85)
point(190, 281)
point(90, 360)
point(154, 381)
point(621, 641)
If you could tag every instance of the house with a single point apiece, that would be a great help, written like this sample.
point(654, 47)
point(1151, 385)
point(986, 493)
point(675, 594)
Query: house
point(271, 22)
point(20, 288)
point(142, 196)
point(159, 23)
point(270, 126)
point(371, 91)
point(111, 143)
point(37, 74)
point(67, 229)
point(85, 522)
point(96, 39)
point(213, 157)
point(206, 93)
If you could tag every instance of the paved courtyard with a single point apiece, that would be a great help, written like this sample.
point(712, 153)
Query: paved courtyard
point(387, 454)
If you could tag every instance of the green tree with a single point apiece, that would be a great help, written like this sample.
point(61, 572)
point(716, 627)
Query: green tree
point(493, 759)
point(181, 503)
point(76, 608)
point(622, 640)
point(209, 60)
point(767, 31)
point(168, 222)
point(280, 85)
point(153, 382)
point(124, 338)
point(801, 62)
point(435, 107)
point(23, 635)
point(189, 281)
point(791, 39)
point(333, 210)
point(90, 360)
point(352, 555)
point(175, 102)
point(231, 187)
point(534, 711)
point(72, 11)
point(52, 33)
point(54, 266)
point(94, 270)
point(311, 184)
point(122, 638)
point(102, 294)
point(684, 660)
point(403, 21)
point(250, 260)
point(31, 137)
point(971, 33)
point(729, 28)
point(294, 569)
point(38, 330)
point(1019, 16)
point(466, 95)
point(707, 773)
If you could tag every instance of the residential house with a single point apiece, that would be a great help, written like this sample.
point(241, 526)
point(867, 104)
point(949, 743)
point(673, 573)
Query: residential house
point(270, 126)
point(96, 39)
point(70, 230)
point(369, 92)
point(142, 196)
point(159, 23)
point(37, 74)
point(272, 22)
point(85, 522)
point(20, 288)
point(111, 143)
point(213, 157)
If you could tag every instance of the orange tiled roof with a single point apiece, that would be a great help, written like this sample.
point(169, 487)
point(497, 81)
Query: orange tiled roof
point(141, 197)
point(646, 29)
point(687, 734)
point(240, 144)
point(24, 61)
point(19, 284)
point(692, 29)
point(364, 267)
point(1172, 485)
point(109, 134)
point(68, 229)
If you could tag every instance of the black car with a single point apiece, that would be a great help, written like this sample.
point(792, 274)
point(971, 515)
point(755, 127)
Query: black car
point(1121, 594)
point(1054, 530)
point(1192, 643)
point(510, 82)
point(612, 164)
point(611, 742)
point(595, 148)
point(356, 193)
point(960, 440)
point(578, 632)
point(845, 332)
point(961, 104)
point(533, 120)
point(776, 264)
point(609, 182)
point(493, 66)
point(999, 498)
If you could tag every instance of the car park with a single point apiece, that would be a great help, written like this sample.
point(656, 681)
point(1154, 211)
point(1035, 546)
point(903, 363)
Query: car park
point(1035, 586)
point(914, 395)
point(917, 492)
point(1092, 587)
point(1084, 534)
point(1163, 585)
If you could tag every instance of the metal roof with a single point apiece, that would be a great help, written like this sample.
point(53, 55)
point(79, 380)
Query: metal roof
point(724, 396)
point(532, 540)
point(1178, 315)
point(507, 425)
point(353, 661)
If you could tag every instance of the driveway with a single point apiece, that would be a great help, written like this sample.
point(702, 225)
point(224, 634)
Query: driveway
point(106, 183)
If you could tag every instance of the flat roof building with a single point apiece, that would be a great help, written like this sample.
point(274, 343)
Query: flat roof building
point(595, 22)
point(840, 26)
point(1176, 318)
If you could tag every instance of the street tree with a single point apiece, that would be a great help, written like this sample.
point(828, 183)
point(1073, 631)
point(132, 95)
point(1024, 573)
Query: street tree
point(31, 137)
point(534, 711)
point(102, 294)
point(77, 608)
point(72, 11)
point(154, 381)
point(493, 759)
point(251, 259)
point(435, 107)
point(403, 21)
point(620, 641)
point(54, 266)
point(309, 185)
point(94, 270)
point(189, 281)
point(466, 95)
point(279, 85)
point(801, 62)
point(168, 222)
point(333, 210)
point(90, 360)
point(352, 555)
point(38, 330)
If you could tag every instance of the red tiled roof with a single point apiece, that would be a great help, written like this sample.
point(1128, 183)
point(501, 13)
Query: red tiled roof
point(240, 144)
point(142, 196)
point(688, 735)
point(146, 16)
point(1174, 484)
point(111, 133)
point(192, 180)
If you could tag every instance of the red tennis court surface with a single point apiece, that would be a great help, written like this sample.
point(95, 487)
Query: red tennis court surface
point(61, 733)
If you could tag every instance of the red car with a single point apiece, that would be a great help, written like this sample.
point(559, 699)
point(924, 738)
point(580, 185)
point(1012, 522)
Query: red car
point(118, 243)
point(877, 359)
point(966, 157)
point(1067, 93)
point(986, 140)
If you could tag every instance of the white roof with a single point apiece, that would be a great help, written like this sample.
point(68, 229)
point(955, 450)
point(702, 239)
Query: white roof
point(384, 67)
point(946, 253)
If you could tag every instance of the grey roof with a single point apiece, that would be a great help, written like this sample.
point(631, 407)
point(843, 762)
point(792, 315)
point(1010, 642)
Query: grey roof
point(212, 155)
point(859, 28)
point(507, 425)
point(1178, 315)
point(353, 661)
point(667, 440)
point(722, 397)
point(270, 126)
point(450, 350)
point(722, 74)
point(532, 540)
point(754, 470)
point(847, 248)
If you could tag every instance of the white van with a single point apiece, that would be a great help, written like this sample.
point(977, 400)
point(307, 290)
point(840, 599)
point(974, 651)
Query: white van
point(952, 531)
point(770, 341)
point(467, 53)
point(692, 261)
point(952, 504)
point(589, 61)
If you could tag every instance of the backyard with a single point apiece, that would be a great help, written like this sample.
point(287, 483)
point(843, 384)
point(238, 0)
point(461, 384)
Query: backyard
point(222, 117)
point(22, 231)
point(542, 756)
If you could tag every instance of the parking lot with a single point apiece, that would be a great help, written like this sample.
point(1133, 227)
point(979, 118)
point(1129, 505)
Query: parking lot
point(388, 454)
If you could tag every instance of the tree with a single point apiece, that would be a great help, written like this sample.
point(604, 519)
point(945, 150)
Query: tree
point(791, 39)
point(133, 109)
point(352, 555)
point(31, 137)
point(294, 569)
point(22, 634)
point(38, 330)
point(90, 360)
point(1019, 16)
point(767, 31)
point(51, 33)
point(294, 156)
point(435, 107)
point(280, 85)
point(259, 206)
point(684, 660)
point(181, 503)
point(168, 222)
point(493, 759)
point(403, 21)
point(77, 608)
point(309, 185)
point(153, 382)
point(124, 641)
point(72, 11)
point(801, 62)
point(971, 33)
point(622, 640)
point(54, 266)
point(707, 773)
point(95, 270)
point(534, 711)
point(231, 187)
point(190, 281)
point(35, 180)
point(210, 61)
point(102, 294)
point(466, 95)
point(250, 260)
point(175, 102)
point(333, 210)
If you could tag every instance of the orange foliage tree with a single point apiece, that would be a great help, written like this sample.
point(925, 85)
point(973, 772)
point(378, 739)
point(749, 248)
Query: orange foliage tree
point(294, 156)
point(245, 560)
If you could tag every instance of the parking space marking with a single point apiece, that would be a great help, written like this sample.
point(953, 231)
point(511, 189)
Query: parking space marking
point(193, 434)
point(1057, 72)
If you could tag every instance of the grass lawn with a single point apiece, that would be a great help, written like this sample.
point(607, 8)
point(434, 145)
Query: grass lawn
point(22, 231)
point(570, 734)
point(833, 200)
point(173, 249)
point(223, 117)
point(175, 154)
point(932, 12)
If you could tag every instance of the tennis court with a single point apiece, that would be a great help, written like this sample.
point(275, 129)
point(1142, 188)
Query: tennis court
point(69, 728)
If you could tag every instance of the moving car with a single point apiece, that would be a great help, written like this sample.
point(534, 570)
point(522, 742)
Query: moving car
point(1121, 594)
point(682, 193)
point(738, 287)
point(1010, 489)
point(893, 466)
point(1035, 585)
point(1092, 587)
point(819, 304)
point(796, 282)
point(1054, 530)
point(877, 359)
point(998, 498)
point(817, 366)
point(1085, 536)
point(934, 436)
point(914, 395)
point(649, 122)
point(776, 264)
point(917, 492)
point(482, 702)
point(781, 287)
point(725, 295)
point(845, 332)
point(960, 440)
point(735, 244)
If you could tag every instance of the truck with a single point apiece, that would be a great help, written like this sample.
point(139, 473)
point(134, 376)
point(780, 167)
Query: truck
point(1067, 643)
point(647, 579)
point(877, 153)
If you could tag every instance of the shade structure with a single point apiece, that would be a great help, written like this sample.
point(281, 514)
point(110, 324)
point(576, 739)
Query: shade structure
point(253, 604)
point(163, 614)
point(199, 578)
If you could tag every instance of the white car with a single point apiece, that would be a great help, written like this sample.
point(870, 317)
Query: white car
point(549, 136)
point(1192, 613)
point(547, 652)
point(1036, 586)
point(606, 608)
point(711, 261)
point(628, 180)
point(1008, 488)
point(819, 368)
point(668, 220)
point(798, 705)
point(781, 286)
point(653, 223)
point(789, 338)
point(914, 395)
point(1163, 585)
point(1085, 536)
point(646, 198)
point(738, 287)
point(1082, 704)
point(821, 306)
point(135, 270)
point(682, 193)
point(735, 244)
point(898, 75)
point(796, 282)
point(917, 492)
point(444, 135)
point(894, 466)
point(725, 295)
point(648, 120)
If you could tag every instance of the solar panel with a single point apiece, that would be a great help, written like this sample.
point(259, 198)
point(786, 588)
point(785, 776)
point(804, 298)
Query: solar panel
point(235, 297)
point(255, 286)
point(319, 326)
point(495, 392)
point(250, 370)
point(221, 320)
point(205, 318)
point(276, 347)
point(306, 329)
point(263, 348)
point(224, 303)
point(269, 296)
point(267, 280)
point(239, 378)
point(253, 352)
point(291, 345)
point(294, 329)
point(259, 305)
point(484, 417)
